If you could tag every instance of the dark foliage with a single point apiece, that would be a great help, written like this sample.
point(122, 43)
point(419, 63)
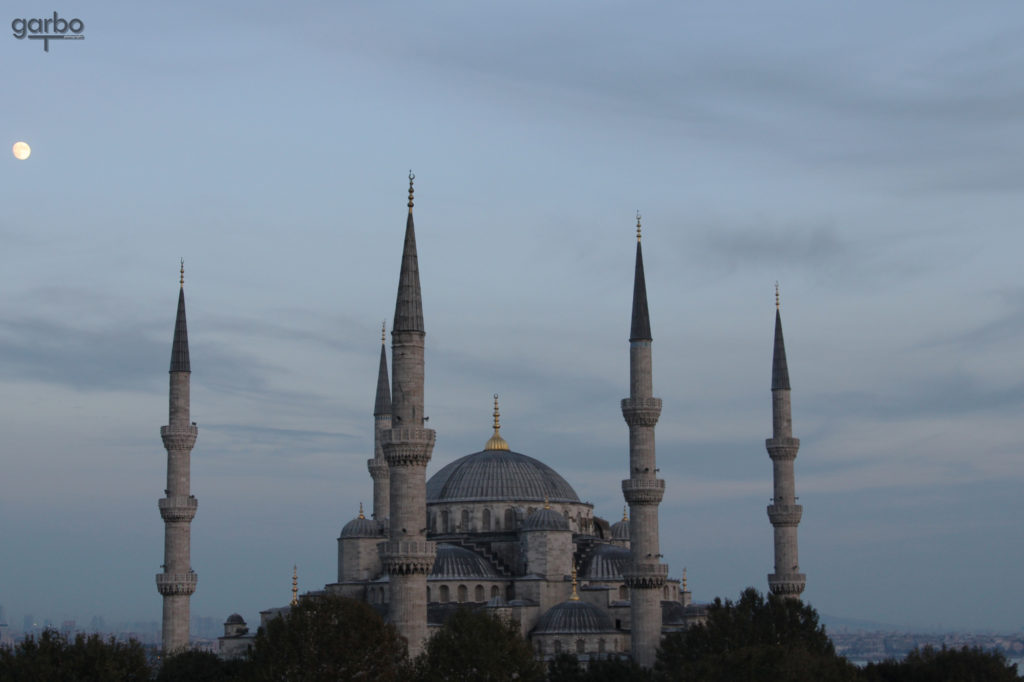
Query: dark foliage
point(944, 665)
point(475, 645)
point(199, 666)
point(87, 658)
point(566, 668)
point(773, 639)
point(328, 638)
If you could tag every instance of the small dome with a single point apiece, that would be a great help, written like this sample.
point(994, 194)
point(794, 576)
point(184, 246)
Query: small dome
point(607, 562)
point(361, 527)
point(457, 563)
point(620, 530)
point(545, 519)
point(573, 617)
point(235, 619)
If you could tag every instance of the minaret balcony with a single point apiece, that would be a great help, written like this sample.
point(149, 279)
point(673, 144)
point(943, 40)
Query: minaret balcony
point(407, 557)
point(782, 448)
point(176, 584)
point(785, 514)
point(645, 575)
point(178, 438)
point(178, 507)
point(787, 584)
point(641, 411)
point(643, 490)
point(377, 467)
point(408, 446)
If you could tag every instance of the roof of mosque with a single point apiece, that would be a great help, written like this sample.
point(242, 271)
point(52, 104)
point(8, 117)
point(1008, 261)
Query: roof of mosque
point(606, 562)
point(455, 563)
point(573, 617)
point(498, 475)
point(545, 519)
point(361, 527)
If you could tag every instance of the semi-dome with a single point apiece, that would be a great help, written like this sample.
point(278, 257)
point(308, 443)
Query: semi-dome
point(361, 527)
point(498, 475)
point(607, 562)
point(545, 519)
point(573, 617)
point(458, 563)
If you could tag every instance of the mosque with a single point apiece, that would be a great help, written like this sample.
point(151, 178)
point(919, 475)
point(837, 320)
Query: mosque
point(500, 530)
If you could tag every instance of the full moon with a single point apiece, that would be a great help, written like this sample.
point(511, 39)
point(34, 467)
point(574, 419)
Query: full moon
point(21, 150)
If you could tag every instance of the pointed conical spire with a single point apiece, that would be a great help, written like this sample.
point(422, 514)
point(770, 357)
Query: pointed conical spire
point(409, 305)
point(641, 327)
point(780, 370)
point(179, 348)
point(382, 405)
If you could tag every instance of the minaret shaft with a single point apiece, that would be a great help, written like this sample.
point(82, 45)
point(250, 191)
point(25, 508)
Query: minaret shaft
point(643, 490)
point(177, 582)
point(407, 556)
point(784, 513)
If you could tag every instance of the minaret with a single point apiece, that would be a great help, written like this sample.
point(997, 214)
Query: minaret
point(407, 556)
point(178, 508)
point(784, 512)
point(643, 490)
point(378, 466)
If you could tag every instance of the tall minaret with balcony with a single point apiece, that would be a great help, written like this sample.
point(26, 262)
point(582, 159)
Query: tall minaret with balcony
point(784, 513)
point(178, 507)
point(643, 489)
point(378, 466)
point(407, 555)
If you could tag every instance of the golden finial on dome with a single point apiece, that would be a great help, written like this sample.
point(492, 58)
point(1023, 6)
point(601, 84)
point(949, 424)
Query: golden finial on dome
point(638, 225)
point(496, 442)
point(547, 505)
point(295, 586)
point(361, 511)
point(625, 513)
point(574, 596)
point(412, 176)
point(181, 279)
point(776, 295)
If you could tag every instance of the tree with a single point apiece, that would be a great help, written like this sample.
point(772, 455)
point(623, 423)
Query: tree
point(566, 667)
point(328, 638)
point(754, 639)
point(475, 645)
point(944, 665)
point(199, 666)
point(85, 659)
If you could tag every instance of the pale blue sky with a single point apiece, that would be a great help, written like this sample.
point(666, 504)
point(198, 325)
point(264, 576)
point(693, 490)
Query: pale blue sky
point(868, 157)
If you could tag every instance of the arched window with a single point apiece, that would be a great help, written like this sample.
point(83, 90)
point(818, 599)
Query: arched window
point(540, 647)
point(510, 592)
point(463, 594)
point(444, 594)
point(600, 646)
point(495, 591)
point(465, 521)
point(487, 519)
point(558, 646)
point(428, 594)
point(581, 646)
point(478, 593)
point(444, 521)
point(510, 519)
point(664, 591)
point(623, 592)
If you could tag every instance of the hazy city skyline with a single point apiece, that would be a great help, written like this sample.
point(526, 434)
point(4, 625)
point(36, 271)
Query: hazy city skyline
point(867, 157)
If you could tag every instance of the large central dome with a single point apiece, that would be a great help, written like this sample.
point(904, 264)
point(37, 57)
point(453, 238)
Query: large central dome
point(498, 475)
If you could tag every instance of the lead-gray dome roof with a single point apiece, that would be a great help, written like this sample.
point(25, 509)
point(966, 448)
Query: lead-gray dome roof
point(573, 617)
point(607, 562)
point(361, 527)
point(457, 563)
point(545, 519)
point(498, 475)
